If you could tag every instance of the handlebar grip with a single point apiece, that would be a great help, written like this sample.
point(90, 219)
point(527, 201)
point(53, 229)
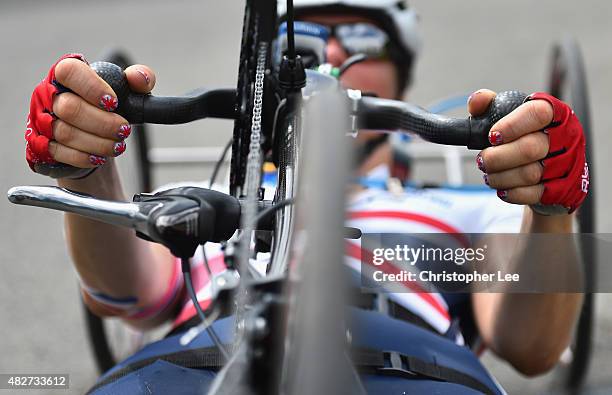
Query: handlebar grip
point(384, 114)
point(145, 108)
point(472, 132)
point(503, 104)
point(130, 104)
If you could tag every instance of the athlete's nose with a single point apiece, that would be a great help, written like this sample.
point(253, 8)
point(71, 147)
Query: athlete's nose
point(336, 55)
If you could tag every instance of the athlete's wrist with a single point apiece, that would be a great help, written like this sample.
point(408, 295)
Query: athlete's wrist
point(104, 183)
point(561, 223)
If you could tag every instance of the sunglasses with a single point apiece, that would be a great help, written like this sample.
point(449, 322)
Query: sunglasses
point(362, 38)
point(355, 38)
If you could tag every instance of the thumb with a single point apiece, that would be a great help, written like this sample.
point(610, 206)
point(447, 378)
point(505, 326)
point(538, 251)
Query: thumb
point(479, 101)
point(140, 78)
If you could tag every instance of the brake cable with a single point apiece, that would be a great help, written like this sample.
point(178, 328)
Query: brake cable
point(186, 268)
point(272, 209)
point(220, 161)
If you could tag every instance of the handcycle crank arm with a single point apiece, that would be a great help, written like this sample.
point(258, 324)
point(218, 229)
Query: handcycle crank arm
point(145, 108)
point(392, 115)
point(125, 214)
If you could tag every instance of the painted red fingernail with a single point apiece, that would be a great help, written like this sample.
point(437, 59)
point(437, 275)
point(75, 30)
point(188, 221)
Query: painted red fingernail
point(495, 138)
point(485, 177)
point(502, 194)
point(124, 131)
point(472, 96)
point(119, 148)
point(97, 160)
point(108, 103)
point(144, 75)
point(480, 163)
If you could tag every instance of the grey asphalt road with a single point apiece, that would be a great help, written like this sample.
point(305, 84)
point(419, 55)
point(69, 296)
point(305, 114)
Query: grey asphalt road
point(468, 45)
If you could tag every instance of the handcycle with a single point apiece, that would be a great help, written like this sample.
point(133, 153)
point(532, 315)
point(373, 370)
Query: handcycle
point(283, 141)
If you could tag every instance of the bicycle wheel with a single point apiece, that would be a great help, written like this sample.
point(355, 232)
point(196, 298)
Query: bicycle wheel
point(111, 340)
point(321, 296)
point(568, 82)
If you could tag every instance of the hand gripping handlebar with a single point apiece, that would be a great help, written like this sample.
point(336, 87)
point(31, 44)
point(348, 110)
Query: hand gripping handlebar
point(146, 108)
point(368, 112)
point(472, 132)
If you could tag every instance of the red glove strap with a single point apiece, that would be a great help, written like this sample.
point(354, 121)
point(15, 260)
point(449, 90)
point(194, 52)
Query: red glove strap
point(566, 172)
point(39, 129)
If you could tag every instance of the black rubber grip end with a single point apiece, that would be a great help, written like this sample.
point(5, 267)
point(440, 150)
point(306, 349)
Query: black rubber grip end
point(114, 76)
point(130, 104)
point(504, 104)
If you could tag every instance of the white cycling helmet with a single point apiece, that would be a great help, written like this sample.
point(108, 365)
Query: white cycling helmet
point(394, 15)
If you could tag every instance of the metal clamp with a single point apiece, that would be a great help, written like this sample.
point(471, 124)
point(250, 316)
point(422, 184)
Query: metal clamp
point(355, 96)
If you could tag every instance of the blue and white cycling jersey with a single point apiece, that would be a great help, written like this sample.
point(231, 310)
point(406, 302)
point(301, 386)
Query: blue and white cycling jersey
point(376, 210)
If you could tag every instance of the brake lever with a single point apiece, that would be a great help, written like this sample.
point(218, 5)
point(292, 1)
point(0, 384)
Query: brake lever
point(179, 218)
point(152, 220)
point(126, 214)
point(191, 216)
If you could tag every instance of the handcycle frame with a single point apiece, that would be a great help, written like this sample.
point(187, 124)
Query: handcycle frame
point(245, 94)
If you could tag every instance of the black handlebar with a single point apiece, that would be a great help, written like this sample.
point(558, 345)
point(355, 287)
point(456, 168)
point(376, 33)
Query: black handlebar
point(383, 114)
point(372, 113)
point(183, 218)
point(145, 108)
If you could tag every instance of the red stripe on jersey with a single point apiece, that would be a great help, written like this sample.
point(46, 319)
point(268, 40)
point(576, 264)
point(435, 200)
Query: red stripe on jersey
point(404, 215)
point(366, 256)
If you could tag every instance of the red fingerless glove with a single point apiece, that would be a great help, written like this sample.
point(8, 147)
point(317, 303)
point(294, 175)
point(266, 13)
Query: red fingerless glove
point(566, 172)
point(39, 128)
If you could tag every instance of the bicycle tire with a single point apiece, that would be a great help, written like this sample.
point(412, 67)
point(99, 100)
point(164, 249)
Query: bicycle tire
point(323, 293)
point(568, 82)
point(97, 328)
point(311, 320)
